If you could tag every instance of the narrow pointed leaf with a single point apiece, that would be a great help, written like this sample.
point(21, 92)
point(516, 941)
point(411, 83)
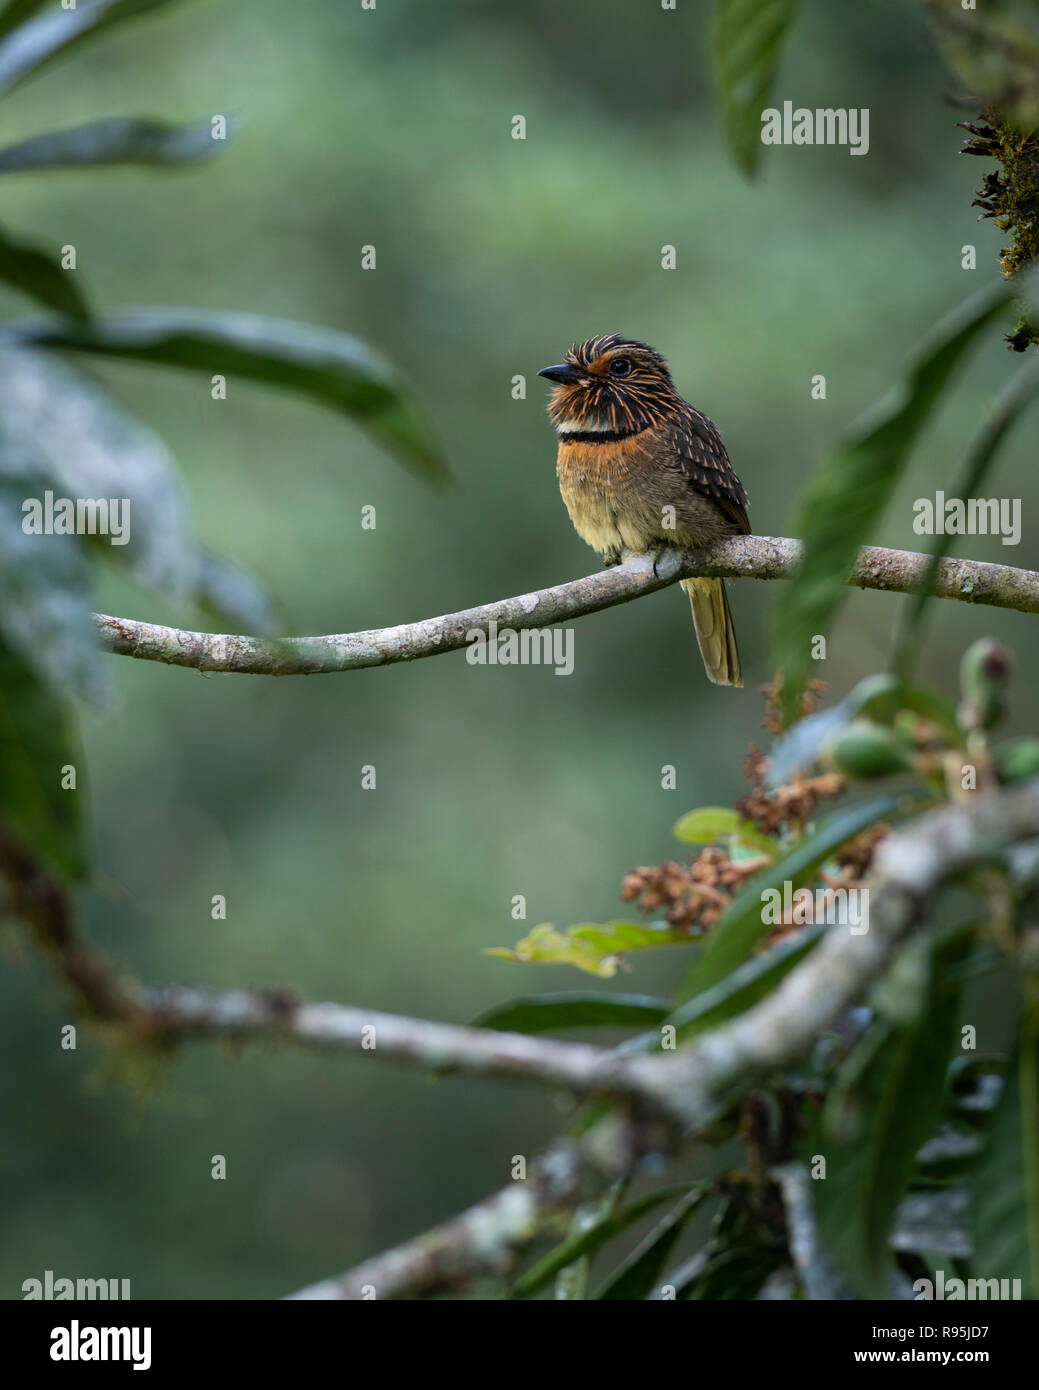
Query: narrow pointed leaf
point(735, 935)
point(44, 596)
point(1005, 1186)
point(31, 45)
point(70, 457)
point(38, 274)
point(116, 141)
point(37, 741)
point(847, 494)
point(981, 455)
point(875, 1127)
point(747, 38)
point(544, 1013)
point(16, 12)
point(640, 1272)
point(331, 368)
point(585, 1242)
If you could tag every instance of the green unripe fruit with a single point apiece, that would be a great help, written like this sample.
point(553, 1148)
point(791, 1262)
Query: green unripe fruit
point(1017, 759)
point(865, 749)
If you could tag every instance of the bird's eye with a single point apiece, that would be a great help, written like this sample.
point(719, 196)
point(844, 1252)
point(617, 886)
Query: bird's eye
point(620, 366)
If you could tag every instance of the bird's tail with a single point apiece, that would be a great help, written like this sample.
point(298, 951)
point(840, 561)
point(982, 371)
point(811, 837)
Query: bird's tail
point(714, 630)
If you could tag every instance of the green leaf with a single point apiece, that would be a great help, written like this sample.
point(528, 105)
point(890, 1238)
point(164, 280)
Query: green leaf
point(846, 496)
point(571, 1282)
point(60, 434)
point(39, 275)
point(744, 986)
point(83, 446)
point(16, 12)
point(804, 741)
point(876, 697)
point(734, 1275)
point(733, 995)
point(38, 739)
point(637, 1275)
point(586, 1241)
point(711, 823)
point(44, 597)
point(1005, 1187)
point(879, 697)
point(544, 1013)
point(736, 933)
point(1008, 408)
point(596, 949)
point(734, 1264)
point(747, 38)
point(230, 594)
point(334, 369)
point(874, 1126)
point(708, 824)
point(1016, 759)
point(119, 140)
point(994, 55)
point(928, 704)
point(38, 41)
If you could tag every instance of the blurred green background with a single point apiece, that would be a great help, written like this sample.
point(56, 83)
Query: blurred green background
point(392, 128)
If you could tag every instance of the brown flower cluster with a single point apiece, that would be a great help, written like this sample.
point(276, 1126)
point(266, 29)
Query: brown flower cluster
point(773, 693)
point(794, 805)
point(791, 806)
point(855, 858)
point(693, 896)
point(690, 895)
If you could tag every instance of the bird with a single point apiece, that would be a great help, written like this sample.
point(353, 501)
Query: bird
point(640, 470)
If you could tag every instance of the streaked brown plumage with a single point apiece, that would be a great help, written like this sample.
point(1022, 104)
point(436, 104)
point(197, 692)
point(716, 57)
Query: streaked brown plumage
point(639, 469)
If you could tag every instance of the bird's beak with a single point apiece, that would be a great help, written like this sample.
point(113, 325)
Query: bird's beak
point(564, 374)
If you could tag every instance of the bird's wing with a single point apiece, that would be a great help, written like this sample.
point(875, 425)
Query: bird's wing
point(698, 452)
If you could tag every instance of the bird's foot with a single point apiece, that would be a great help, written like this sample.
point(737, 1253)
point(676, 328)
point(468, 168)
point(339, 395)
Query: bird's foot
point(612, 556)
point(661, 551)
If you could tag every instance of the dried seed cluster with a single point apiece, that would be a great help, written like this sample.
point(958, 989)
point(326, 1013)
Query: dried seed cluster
point(693, 896)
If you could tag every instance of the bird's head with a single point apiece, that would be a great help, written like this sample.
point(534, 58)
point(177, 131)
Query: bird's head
point(610, 383)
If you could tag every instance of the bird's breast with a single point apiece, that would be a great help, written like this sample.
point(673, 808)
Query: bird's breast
point(602, 487)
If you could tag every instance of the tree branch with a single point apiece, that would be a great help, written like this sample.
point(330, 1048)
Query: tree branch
point(485, 1240)
point(686, 1089)
point(187, 1012)
point(909, 867)
point(685, 1086)
point(742, 557)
